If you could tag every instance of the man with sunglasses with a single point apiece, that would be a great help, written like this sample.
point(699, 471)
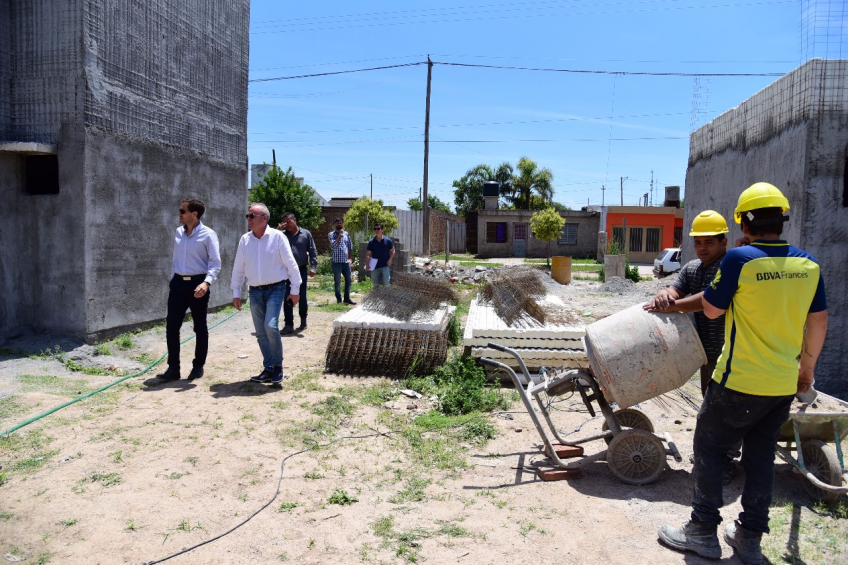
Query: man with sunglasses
point(382, 249)
point(264, 257)
point(195, 265)
point(342, 260)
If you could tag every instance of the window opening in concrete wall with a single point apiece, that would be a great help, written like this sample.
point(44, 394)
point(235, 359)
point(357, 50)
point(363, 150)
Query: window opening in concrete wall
point(495, 232)
point(568, 235)
point(636, 240)
point(845, 183)
point(42, 174)
point(618, 235)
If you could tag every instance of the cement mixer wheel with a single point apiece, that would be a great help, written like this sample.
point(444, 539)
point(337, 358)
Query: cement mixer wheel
point(823, 462)
point(636, 457)
point(629, 418)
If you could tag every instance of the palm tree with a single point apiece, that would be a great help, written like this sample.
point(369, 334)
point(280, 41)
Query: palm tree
point(530, 178)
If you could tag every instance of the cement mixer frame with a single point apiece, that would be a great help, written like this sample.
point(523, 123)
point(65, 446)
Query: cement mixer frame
point(634, 454)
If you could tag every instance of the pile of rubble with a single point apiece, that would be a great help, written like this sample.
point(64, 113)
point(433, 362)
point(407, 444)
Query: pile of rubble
point(469, 275)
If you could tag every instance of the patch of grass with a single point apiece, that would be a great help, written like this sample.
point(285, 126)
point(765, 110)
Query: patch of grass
point(145, 359)
point(405, 544)
point(192, 460)
point(131, 525)
point(43, 558)
point(9, 407)
point(177, 475)
point(60, 386)
point(341, 497)
point(34, 463)
point(412, 492)
point(333, 407)
point(807, 534)
point(125, 341)
point(287, 507)
point(69, 522)
point(454, 330)
point(477, 432)
point(306, 381)
point(452, 530)
point(313, 475)
point(117, 456)
point(102, 349)
point(377, 395)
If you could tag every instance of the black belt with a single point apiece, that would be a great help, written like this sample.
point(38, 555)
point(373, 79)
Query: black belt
point(190, 277)
point(264, 286)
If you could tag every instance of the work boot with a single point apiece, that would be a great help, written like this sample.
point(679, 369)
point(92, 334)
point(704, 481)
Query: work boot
point(171, 374)
point(693, 536)
point(196, 373)
point(745, 542)
point(287, 329)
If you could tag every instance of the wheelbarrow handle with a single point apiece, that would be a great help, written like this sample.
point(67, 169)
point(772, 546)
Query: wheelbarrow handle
point(496, 346)
point(490, 362)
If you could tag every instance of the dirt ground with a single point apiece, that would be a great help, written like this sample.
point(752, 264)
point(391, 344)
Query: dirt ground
point(145, 469)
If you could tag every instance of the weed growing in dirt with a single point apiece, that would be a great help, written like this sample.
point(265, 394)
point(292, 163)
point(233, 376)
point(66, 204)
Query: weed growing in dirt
point(117, 456)
point(313, 475)
point(102, 349)
point(34, 463)
point(131, 526)
point(404, 543)
point(145, 359)
point(125, 341)
point(43, 558)
point(9, 407)
point(461, 387)
point(333, 407)
point(454, 330)
point(377, 395)
point(287, 507)
point(306, 380)
point(53, 385)
point(412, 492)
point(68, 522)
point(817, 534)
point(341, 497)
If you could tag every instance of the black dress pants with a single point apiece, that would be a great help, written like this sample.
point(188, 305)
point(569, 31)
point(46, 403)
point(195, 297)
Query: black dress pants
point(181, 298)
point(302, 307)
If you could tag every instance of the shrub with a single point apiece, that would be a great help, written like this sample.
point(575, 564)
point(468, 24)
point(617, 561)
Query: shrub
point(460, 385)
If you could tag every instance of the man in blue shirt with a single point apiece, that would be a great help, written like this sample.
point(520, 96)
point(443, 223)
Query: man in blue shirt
point(195, 266)
point(382, 249)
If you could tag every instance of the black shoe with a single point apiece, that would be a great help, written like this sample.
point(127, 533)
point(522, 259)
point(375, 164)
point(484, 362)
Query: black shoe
point(277, 375)
point(169, 375)
point(287, 329)
point(338, 301)
point(351, 302)
point(302, 326)
point(196, 373)
point(262, 377)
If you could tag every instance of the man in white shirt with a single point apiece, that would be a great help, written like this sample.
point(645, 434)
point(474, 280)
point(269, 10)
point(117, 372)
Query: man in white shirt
point(195, 266)
point(264, 257)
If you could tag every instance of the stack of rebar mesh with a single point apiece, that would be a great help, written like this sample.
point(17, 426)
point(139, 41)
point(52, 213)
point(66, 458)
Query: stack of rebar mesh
point(514, 292)
point(397, 330)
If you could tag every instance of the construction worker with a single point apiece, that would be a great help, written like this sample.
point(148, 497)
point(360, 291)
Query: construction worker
point(770, 291)
point(684, 295)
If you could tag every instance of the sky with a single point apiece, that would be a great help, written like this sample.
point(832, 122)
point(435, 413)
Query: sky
point(591, 129)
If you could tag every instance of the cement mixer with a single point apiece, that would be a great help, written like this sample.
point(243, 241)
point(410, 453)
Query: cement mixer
point(634, 356)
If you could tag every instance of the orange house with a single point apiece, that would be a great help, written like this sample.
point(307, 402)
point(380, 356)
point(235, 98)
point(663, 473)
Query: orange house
point(645, 230)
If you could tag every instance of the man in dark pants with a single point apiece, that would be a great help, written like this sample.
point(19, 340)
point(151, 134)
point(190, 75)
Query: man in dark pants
point(305, 253)
point(195, 266)
point(770, 292)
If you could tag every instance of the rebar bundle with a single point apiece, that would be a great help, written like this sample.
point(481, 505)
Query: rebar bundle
point(385, 351)
point(398, 302)
point(437, 291)
point(513, 292)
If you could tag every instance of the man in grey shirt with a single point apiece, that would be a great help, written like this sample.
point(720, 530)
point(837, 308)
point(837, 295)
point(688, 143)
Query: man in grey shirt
point(195, 265)
point(304, 251)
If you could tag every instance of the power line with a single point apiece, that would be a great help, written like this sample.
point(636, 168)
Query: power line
point(337, 72)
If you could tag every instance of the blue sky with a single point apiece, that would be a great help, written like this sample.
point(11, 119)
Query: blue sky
point(589, 129)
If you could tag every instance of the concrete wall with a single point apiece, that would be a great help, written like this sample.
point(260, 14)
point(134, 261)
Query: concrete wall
point(42, 256)
point(587, 234)
point(793, 134)
point(133, 189)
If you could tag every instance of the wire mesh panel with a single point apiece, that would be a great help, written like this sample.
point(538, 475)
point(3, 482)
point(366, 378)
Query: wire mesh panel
point(385, 351)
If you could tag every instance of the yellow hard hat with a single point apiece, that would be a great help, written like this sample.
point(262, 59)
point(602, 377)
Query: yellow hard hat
point(760, 195)
point(708, 222)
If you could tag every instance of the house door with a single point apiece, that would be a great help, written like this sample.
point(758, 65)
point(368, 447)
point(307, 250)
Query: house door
point(643, 243)
point(519, 240)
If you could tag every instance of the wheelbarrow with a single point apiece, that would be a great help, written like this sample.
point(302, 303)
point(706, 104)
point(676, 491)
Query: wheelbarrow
point(810, 432)
point(634, 454)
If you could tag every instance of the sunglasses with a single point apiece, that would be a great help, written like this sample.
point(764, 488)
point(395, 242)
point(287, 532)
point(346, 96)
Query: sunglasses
point(377, 229)
point(252, 216)
point(182, 211)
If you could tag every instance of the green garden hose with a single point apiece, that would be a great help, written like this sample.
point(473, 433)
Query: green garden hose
point(101, 389)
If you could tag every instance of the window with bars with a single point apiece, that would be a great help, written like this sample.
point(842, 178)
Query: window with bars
point(652, 240)
point(618, 236)
point(636, 240)
point(678, 236)
point(568, 235)
point(495, 232)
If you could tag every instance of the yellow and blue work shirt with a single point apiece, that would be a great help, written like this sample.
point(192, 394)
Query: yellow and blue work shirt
point(767, 288)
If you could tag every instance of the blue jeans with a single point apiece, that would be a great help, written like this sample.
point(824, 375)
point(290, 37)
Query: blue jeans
point(383, 275)
point(265, 305)
point(726, 418)
point(340, 269)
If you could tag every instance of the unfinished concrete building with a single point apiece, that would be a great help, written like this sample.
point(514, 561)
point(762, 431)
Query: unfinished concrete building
point(793, 134)
point(111, 113)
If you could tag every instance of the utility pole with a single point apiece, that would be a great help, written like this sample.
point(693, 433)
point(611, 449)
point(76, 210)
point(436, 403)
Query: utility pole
point(652, 188)
point(372, 186)
point(274, 158)
point(603, 189)
point(424, 201)
point(622, 190)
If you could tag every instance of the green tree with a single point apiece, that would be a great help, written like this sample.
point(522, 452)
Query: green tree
point(435, 204)
point(468, 193)
point(546, 226)
point(354, 220)
point(281, 193)
point(529, 179)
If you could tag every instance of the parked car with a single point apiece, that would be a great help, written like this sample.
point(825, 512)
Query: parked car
point(667, 262)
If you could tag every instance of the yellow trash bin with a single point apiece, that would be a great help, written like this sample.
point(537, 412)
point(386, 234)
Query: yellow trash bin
point(561, 269)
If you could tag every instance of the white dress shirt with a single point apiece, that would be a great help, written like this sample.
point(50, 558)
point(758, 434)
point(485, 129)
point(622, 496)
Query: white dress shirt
point(196, 254)
point(264, 260)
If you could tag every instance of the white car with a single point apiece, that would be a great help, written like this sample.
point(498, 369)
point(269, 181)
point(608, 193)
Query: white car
point(667, 262)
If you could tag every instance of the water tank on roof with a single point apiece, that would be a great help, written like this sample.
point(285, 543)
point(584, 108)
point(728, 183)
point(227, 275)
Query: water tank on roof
point(491, 188)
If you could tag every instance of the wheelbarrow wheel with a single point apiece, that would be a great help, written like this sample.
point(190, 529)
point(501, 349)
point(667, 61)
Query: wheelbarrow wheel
point(822, 461)
point(629, 418)
point(636, 457)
